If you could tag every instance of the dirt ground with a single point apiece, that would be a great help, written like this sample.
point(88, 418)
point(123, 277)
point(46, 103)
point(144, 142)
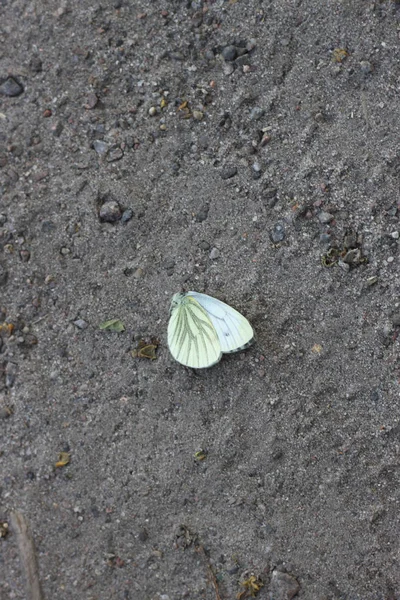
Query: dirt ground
point(249, 149)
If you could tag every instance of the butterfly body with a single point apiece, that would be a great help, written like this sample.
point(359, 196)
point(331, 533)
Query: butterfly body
point(202, 328)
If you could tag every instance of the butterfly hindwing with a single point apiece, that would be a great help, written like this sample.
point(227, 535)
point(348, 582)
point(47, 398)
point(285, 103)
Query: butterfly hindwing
point(192, 338)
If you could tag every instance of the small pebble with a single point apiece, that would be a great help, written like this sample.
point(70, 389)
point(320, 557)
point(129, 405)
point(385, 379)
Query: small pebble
point(396, 319)
point(283, 586)
point(214, 254)
point(325, 238)
point(114, 154)
point(228, 69)
point(366, 67)
point(228, 172)
point(65, 251)
point(100, 147)
point(372, 280)
point(202, 214)
point(81, 324)
point(256, 113)
point(229, 53)
point(278, 233)
point(198, 115)
point(127, 215)
point(395, 235)
point(143, 535)
point(24, 255)
point(110, 212)
point(325, 217)
point(152, 111)
point(35, 64)
point(390, 259)
point(10, 87)
point(204, 245)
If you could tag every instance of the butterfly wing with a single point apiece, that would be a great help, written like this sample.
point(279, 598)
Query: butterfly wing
point(192, 338)
point(233, 329)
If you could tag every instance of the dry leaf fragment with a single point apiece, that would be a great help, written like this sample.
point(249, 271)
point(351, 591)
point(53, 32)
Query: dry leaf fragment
point(200, 455)
point(3, 529)
point(339, 54)
point(63, 459)
point(112, 325)
point(146, 349)
point(252, 586)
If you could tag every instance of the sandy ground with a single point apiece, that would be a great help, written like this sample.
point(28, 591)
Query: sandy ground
point(249, 150)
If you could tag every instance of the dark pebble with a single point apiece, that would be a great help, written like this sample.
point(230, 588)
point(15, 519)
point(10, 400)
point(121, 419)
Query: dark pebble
point(30, 475)
point(57, 128)
point(127, 215)
point(110, 212)
point(11, 371)
point(5, 412)
point(204, 245)
point(396, 319)
point(278, 233)
point(143, 535)
point(202, 214)
point(115, 154)
point(169, 263)
point(11, 87)
point(228, 172)
point(229, 53)
point(242, 60)
point(48, 227)
point(24, 255)
point(3, 275)
point(35, 64)
point(270, 193)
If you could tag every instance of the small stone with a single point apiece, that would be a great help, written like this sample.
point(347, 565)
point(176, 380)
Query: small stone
point(152, 111)
point(270, 193)
point(214, 254)
point(11, 87)
point(91, 101)
point(350, 240)
point(319, 117)
point(229, 53)
point(204, 245)
point(81, 324)
point(243, 61)
point(35, 64)
point(228, 172)
point(47, 113)
point(127, 215)
point(115, 153)
point(325, 217)
point(256, 167)
point(282, 586)
point(100, 146)
point(228, 69)
point(265, 140)
point(5, 412)
point(395, 235)
point(325, 238)
point(57, 128)
point(278, 233)
point(65, 251)
point(110, 212)
point(256, 113)
point(143, 535)
point(11, 371)
point(24, 255)
point(3, 275)
point(198, 115)
point(138, 273)
point(366, 67)
point(202, 214)
point(390, 259)
point(372, 280)
point(396, 319)
point(3, 219)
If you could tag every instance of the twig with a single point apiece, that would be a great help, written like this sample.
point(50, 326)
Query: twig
point(28, 556)
point(213, 579)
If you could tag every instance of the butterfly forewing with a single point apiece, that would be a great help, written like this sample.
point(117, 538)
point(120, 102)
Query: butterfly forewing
point(192, 338)
point(233, 329)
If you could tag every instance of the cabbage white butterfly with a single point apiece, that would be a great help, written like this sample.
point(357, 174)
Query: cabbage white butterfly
point(202, 328)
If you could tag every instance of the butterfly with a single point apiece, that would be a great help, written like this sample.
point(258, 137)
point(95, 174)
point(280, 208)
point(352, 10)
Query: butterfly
point(202, 328)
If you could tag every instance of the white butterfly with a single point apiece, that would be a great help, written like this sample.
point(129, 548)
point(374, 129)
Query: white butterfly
point(202, 328)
